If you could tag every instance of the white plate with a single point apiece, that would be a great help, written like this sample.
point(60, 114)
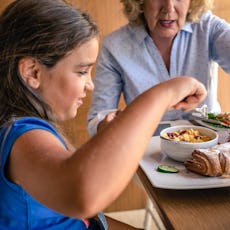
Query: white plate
point(200, 122)
point(182, 180)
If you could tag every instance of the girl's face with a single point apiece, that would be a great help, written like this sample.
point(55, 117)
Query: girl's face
point(65, 85)
point(165, 17)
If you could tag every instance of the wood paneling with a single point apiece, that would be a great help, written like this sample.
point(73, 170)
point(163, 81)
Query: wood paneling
point(4, 3)
point(222, 8)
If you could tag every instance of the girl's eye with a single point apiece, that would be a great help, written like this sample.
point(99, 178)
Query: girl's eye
point(83, 72)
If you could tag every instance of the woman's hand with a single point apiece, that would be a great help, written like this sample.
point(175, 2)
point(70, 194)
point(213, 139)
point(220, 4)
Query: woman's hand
point(108, 118)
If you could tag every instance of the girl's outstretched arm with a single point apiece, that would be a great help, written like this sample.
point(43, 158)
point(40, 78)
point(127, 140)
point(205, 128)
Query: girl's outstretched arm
point(83, 182)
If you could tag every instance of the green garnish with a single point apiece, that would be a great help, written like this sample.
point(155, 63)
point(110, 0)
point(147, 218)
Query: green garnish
point(211, 116)
point(167, 169)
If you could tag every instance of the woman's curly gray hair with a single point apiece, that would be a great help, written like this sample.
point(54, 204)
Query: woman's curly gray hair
point(133, 10)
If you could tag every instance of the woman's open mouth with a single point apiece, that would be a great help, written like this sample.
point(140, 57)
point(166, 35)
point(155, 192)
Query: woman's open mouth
point(166, 23)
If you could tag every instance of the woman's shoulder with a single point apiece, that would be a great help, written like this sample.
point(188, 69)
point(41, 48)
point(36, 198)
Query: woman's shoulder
point(125, 33)
point(124, 39)
point(210, 19)
point(209, 24)
point(118, 34)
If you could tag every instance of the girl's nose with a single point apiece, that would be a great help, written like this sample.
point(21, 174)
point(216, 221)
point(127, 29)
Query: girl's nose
point(89, 85)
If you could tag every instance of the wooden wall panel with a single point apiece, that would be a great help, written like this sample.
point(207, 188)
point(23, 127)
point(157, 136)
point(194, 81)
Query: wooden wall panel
point(222, 8)
point(4, 3)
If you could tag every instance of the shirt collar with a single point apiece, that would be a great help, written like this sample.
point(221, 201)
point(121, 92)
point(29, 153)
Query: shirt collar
point(141, 34)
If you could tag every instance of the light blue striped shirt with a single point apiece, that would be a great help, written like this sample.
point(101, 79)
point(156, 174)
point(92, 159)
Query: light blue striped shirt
point(130, 63)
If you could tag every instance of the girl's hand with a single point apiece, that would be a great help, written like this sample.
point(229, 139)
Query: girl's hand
point(188, 93)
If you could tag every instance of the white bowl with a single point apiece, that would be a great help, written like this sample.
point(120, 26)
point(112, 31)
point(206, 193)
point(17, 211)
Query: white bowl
point(181, 150)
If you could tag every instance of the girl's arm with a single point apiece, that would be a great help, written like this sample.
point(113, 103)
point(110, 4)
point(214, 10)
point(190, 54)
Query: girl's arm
point(86, 181)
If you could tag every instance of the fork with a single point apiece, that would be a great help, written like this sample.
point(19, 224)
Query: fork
point(203, 111)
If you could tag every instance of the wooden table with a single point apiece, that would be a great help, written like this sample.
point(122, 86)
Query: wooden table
point(195, 209)
point(190, 209)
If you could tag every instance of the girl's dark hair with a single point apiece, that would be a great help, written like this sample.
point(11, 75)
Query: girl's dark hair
point(46, 30)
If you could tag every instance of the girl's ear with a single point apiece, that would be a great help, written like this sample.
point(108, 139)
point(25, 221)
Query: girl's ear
point(29, 69)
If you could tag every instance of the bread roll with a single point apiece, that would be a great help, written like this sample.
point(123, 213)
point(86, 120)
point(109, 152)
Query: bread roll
point(213, 161)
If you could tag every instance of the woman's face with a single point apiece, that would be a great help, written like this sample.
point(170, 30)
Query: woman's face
point(165, 17)
point(65, 85)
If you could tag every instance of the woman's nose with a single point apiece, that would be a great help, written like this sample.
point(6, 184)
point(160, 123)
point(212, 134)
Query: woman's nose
point(168, 6)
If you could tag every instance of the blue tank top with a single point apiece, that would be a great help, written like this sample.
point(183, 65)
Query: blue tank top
point(19, 210)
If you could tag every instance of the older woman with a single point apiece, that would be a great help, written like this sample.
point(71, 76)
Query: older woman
point(163, 39)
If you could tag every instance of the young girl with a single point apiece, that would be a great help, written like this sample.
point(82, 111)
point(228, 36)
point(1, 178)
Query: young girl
point(48, 49)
